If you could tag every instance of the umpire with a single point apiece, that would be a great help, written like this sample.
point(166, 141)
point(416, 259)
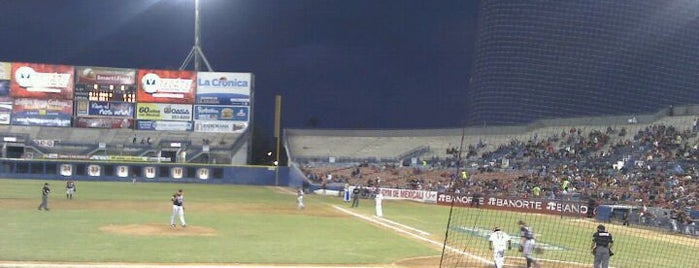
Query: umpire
point(602, 242)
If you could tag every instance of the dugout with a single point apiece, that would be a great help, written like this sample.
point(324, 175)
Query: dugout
point(618, 213)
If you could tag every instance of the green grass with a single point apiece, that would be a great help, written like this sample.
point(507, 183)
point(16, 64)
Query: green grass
point(261, 225)
point(252, 225)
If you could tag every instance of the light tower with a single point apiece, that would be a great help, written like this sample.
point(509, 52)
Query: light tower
point(196, 51)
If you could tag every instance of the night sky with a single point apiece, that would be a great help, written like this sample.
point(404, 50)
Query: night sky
point(370, 64)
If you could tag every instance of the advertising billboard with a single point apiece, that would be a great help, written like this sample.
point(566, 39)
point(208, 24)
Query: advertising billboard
point(5, 99)
point(166, 86)
point(164, 125)
point(164, 111)
point(102, 122)
point(104, 108)
point(41, 81)
point(224, 88)
point(105, 84)
point(221, 112)
point(41, 112)
point(220, 126)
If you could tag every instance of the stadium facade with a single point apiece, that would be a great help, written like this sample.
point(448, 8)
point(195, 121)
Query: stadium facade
point(543, 59)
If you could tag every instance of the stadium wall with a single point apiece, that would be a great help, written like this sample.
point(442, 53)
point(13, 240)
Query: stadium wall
point(147, 172)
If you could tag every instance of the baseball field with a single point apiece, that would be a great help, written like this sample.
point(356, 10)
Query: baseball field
point(232, 225)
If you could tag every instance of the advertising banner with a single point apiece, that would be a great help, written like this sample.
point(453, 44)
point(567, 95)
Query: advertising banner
point(543, 206)
point(103, 122)
point(166, 86)
point(164, 125)
point(164, 111)
point(5, 77)
point(39, 112)
point(220, 126)
point(105, 84)
point(224, 88)
point(105, 76)
point(5, 112)
point(104, 108)
point(41, 81)
point(220, 112)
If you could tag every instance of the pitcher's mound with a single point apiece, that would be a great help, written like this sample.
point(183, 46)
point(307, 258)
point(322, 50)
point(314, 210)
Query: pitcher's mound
point(158, 229)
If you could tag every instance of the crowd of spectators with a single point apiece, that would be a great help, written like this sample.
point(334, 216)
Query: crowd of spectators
point(653, 167)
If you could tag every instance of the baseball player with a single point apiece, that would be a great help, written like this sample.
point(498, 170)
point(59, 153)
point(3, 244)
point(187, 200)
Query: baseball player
point(499, 241)
point(527, 243)
point(70, 189)
point(299, 198)
point(379, 201)
point(602, 242)
point(347, 193)
point(177, 208)
point(44, 197)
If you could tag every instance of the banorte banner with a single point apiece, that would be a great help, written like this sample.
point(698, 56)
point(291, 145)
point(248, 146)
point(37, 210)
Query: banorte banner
point(543, 206)
point(41, 81)
point(166, 86)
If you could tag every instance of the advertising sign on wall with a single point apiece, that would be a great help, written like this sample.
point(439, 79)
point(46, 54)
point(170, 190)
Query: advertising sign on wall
point(164, 125)
point(39, 112)
point(104, 108)
point(163, 111)
point(103, 122)
point(105, 84)
point(543, 206)
point(224, 88)
point(41, 81)
point(166, 86)
point(220, 112)
point(220, 126)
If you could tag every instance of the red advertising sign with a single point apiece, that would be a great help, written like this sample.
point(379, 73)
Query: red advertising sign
point(41, 81)
point(166, 86)
point(543, 206)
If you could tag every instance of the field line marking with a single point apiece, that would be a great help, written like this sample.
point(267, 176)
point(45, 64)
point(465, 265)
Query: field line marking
point(397, 229)
point(402, 226)
point(135, 265)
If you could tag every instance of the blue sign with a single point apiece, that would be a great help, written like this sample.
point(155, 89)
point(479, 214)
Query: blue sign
point(221, 112)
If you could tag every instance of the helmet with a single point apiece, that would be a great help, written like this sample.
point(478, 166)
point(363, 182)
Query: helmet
point(600, 227)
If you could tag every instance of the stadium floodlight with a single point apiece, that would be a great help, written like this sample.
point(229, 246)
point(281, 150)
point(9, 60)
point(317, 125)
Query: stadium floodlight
point(196, 51)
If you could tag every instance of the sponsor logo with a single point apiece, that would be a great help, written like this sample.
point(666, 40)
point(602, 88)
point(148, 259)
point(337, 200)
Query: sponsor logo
point(222, 82)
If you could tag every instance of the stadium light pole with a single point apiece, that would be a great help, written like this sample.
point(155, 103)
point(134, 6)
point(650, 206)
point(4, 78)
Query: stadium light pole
point(196, 51)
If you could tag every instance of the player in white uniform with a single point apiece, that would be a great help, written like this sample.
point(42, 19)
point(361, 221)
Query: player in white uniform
point(177, 208)
point(299, 199)
point(379, 201)
point(499, 242)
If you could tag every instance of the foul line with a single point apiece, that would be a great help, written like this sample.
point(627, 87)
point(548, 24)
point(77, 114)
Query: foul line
point(403, 226)
point(438, 244)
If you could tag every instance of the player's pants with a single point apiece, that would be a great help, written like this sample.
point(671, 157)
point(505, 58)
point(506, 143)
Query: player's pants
point(177, 211)
point(601, 257)
point(299, 200)
point(379, 209)
point(528, 248)
point(499, 257)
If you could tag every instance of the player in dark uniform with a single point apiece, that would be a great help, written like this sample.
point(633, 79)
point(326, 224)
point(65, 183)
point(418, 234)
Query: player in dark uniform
point(602, 242)
point(355, 196)
point(527, 243)
point(70, 189)
point(44, 197)
point(177, 208)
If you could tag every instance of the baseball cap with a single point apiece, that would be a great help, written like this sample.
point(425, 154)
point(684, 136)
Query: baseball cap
point(496, 228)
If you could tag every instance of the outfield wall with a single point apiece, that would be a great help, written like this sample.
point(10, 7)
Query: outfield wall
point(147, 171)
